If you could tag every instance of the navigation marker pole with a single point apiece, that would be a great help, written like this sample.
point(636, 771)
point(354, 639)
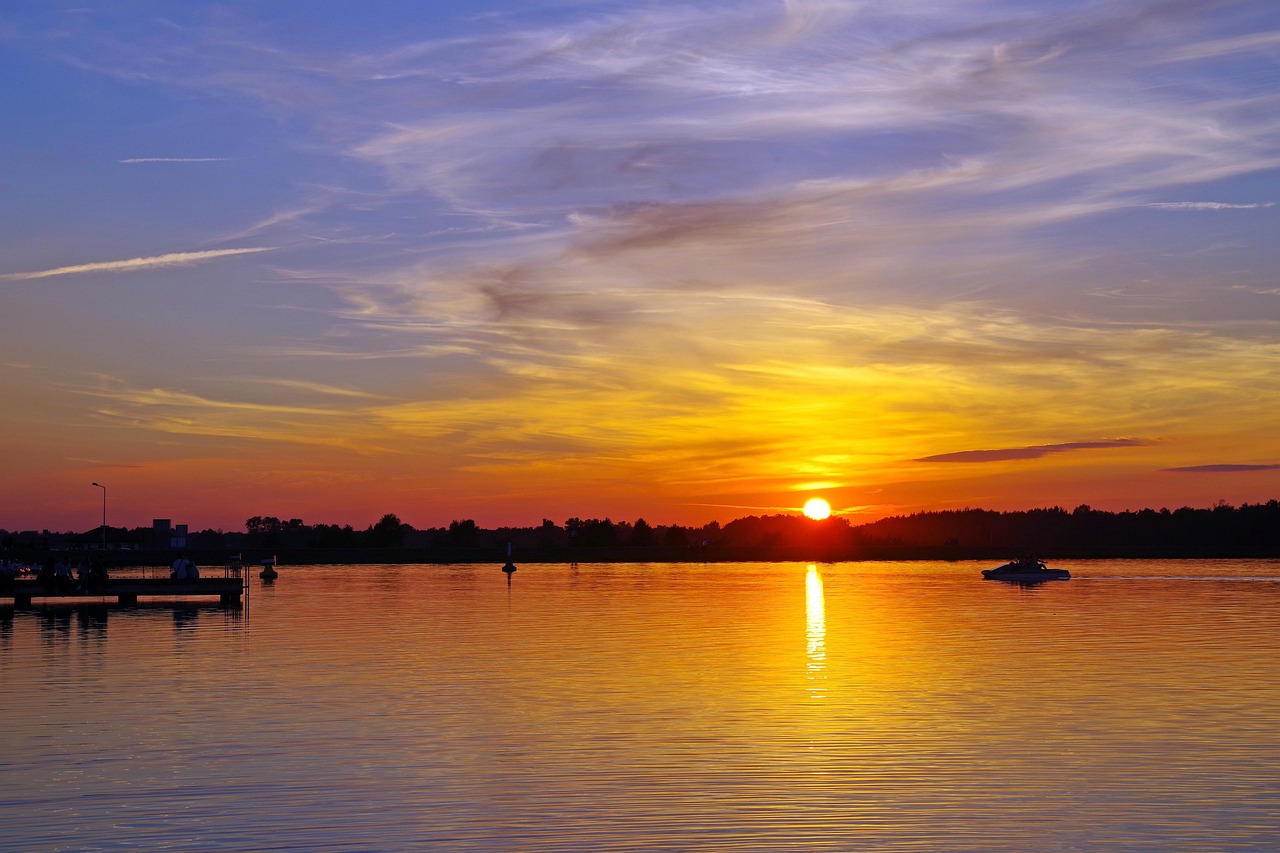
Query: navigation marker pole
point(510, 567)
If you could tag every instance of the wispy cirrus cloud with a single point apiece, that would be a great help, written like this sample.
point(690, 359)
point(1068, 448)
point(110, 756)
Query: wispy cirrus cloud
point(717, 98)
point(755, 143)
point(1207, 205)
point(178, 412)
point(316, 387)
point(172, 259)
point(1034, 452)
point(133, 160)
point(1234, 45)
point(1222, 469)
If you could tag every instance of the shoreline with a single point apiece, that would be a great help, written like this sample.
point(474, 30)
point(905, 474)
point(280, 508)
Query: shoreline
point(623, 555)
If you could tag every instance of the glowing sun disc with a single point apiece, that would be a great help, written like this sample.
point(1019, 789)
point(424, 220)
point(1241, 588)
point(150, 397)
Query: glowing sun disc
point(817, 509)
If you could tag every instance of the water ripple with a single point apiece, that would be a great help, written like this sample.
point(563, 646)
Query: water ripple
point(752, 707)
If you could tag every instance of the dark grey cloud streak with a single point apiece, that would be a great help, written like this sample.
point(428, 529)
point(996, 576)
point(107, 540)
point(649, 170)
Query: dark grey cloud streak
point(1033, 452)
point(1222, 469)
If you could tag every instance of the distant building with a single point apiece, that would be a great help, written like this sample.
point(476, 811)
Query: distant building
point(158, 536)
point(166, 534)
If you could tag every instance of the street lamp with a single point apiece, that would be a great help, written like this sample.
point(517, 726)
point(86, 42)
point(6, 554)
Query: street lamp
point(104, 514)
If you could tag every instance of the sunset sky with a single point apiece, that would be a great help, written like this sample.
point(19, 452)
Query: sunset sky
point(526, 259)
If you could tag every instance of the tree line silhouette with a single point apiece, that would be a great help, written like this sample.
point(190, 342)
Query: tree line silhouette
point(1222, 530)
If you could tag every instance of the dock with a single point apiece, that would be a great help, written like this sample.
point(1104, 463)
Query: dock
point(127, 591)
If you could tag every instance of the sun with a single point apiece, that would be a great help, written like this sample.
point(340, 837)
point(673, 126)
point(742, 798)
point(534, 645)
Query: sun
point(817, 509)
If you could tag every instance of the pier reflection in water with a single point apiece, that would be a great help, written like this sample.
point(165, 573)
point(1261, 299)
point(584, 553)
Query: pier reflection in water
point(658, 707)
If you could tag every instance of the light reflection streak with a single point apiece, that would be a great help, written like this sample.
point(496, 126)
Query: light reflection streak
point(815, 633)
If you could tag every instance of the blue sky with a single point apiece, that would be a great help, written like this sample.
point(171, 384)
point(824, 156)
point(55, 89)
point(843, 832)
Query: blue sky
point(682, 262)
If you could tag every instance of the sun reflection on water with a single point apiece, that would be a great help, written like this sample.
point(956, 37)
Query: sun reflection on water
point(815, 633)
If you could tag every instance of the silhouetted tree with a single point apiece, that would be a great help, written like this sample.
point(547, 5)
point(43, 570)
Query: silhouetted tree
point(573, 529)
point(332, 536)
point(463, 534)
point(388, 532)
point(260, 524)
point(597, 532)
point(675, 536)
point(641, 533)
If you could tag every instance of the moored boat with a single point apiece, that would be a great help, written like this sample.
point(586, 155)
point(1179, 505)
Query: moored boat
point(1025, 570)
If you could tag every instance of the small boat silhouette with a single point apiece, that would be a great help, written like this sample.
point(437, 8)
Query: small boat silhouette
point(1025, 570)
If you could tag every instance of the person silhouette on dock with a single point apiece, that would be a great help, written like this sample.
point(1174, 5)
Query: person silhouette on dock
point(63, 581)
point(184, 569)
point(98, 578)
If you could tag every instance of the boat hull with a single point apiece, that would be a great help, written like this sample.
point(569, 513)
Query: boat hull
point(1026, 575)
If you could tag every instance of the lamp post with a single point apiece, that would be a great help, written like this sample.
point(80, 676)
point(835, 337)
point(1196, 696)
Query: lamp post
point(104, 514)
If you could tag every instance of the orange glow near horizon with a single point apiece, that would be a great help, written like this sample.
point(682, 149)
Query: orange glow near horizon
point(562, 460)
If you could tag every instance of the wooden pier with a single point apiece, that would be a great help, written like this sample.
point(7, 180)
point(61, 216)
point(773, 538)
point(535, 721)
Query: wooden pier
point(128, 590)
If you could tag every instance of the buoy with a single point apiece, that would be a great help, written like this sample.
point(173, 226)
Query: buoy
point(268, 572)
point(510, 566)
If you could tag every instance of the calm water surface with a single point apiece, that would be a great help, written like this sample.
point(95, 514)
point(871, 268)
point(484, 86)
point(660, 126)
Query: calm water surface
point(744, 707)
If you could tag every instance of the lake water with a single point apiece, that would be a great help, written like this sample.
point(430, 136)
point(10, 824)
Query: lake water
point(687, 707)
